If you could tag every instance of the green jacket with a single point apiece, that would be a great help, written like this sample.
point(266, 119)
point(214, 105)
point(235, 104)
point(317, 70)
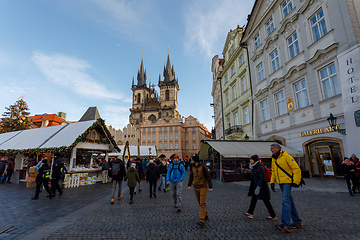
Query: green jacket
point(132, 176)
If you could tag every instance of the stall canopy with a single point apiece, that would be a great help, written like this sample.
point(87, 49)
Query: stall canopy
point(144, 150)
point(241, 148)
point(57, 138)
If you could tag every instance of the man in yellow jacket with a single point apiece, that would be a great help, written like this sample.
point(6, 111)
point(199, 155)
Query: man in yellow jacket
point(281, 159)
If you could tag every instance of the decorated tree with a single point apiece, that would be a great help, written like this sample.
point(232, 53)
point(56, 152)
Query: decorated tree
point(15, 117)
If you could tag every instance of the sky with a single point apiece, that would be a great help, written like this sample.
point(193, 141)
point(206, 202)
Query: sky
point(67, 56)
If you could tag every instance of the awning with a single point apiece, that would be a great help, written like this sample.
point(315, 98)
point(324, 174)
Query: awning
point(242, 148)
point(144, 150)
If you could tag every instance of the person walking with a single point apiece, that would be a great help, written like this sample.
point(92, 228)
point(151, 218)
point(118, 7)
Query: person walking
point(163, 171)
point(140, 171)
point(152, 175)
point(105, 166)
point(259, 189)
point(43, 177)
point(133, 177)
point(348, 168)
point(2, 166)
point(281, 162)
point(356, 162)
point(200, 178)
point(56, 173)
point(9, 170)
point(118, 174)
point(175, 175)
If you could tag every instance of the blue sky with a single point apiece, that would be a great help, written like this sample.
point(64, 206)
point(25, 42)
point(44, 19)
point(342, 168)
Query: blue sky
point(70, 55)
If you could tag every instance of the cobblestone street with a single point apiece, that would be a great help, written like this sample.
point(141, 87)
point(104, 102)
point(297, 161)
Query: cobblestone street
point(327, 211)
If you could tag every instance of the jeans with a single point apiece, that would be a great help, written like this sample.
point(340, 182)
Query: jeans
point(119, 183)
point(163, 181)
point(201, 194)
point(8, 174)
point(176, 193)
point(131, 191)
point(152, 186)
point(288, 206)
point(267, 205)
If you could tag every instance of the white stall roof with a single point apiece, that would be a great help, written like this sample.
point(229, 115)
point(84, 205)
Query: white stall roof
point(144, 150)
point(242, 149)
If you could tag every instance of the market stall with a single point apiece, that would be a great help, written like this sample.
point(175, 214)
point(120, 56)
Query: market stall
point(79, 144)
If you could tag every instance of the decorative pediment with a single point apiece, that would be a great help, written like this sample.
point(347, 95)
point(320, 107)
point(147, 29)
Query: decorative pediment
point(296, 72)
point(277, 83)
point(289, 25)
point(271, 42)
point(262, 93)
point(257, 55)
point(308, 3)
point(321, 56)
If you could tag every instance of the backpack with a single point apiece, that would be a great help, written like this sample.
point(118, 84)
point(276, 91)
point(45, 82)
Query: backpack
point(115, 170)
point(173, 169)
point(46, 174)
point(267, 174)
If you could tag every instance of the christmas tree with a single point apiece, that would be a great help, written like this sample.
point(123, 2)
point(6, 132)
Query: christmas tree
point(15, 117)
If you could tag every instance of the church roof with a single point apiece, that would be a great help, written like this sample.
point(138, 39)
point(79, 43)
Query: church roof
point(90, 114)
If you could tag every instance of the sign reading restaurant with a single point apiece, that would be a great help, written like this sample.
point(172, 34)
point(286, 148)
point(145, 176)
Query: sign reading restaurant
point(319, 131)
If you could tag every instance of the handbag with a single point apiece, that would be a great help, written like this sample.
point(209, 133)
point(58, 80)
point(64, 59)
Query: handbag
point(302, 182)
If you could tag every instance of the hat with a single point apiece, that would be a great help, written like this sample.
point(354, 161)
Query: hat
point(255, 158)
point(346, 158)
point(133, 160)
point(44, 161)
point(151, 161)
point(353, 155)
point(133, 165)
point(176, 156)
point(195, 158)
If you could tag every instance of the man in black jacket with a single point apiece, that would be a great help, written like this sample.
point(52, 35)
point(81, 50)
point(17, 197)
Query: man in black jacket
point(118, 174)
point(43, 178)
point(56, 174)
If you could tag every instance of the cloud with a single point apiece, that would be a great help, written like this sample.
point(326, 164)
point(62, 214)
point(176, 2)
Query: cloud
point(207, 23)
point(70, 73)
point(114, 115)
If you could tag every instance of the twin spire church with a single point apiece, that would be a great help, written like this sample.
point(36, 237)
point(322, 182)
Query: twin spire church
point(147, 104)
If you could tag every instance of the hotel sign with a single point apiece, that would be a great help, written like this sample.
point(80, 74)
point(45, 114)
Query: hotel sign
point(318, 131)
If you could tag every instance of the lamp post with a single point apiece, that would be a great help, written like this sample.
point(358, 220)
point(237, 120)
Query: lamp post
point(332, 122)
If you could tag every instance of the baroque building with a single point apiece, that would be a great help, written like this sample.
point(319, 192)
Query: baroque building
point(216, 69)
point(147, 104)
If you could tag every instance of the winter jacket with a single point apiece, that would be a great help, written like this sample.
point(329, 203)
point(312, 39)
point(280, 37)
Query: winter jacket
point(2, 166)
point(10, 167)
point(132, 176)
point(44, 173)
point(163, 169)
point(289, 165)
point(346, 169)
point(144, 164)
point(105, 165)
point(258, 180)
point(152, 173)
point(200, 177)
point(140, 169)
point(57, 167)
point(175, 173)
point(121, 172)
point(357, 172)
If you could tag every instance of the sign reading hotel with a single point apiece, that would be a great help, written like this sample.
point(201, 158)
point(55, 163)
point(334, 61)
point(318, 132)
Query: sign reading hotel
point(319, 131)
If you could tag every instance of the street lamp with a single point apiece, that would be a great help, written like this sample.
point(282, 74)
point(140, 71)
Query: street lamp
point(332, 122)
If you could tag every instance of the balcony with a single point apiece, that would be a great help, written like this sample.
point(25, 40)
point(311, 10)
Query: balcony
point(234, 129)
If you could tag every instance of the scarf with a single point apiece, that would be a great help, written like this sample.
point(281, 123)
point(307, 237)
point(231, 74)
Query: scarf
point(348, 163)
point(253, 165)
point(275, 156)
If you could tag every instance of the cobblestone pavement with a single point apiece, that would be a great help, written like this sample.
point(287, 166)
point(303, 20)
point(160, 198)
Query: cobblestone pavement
point(327, 210)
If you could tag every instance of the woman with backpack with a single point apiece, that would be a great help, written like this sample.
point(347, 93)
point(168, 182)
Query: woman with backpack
point(259, 189)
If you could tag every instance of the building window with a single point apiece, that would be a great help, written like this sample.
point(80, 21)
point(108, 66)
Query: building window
point(165, 136)
point(171, 146)
point(186, 137)
point(236, 118)
point(167, 93)
point(170, 128)
point(318, 25)
point(228, 122)
point(257, 41)
point(301, 94)
point(243, 84)
point(176, 128)
point(234, 92)
point(194, 137)
point(280, 103)
point(144, 130)
point(233, 70)
point(241, 59)
point(138, 98)
point(154, 137)
point(149, 137)
point(287, 7)
point(246, 115)
point(270, 26)
point(154, 129)
point(160, 136)
point(194, 145)
point(176, 136)
point(193, 129)
point(293, 45)
point(165, 128)
point(149, 129)
point(165, 146)
point(227, 98)
point(265, 110)
point(160, 146)
point(186, 129)
point(160, 128)
point(186, 146)
point(275, 60)
point(226, 78)
point(260, 70)
point(329, 81)
point(170, 136)
point(144, 137)
point(176, 146)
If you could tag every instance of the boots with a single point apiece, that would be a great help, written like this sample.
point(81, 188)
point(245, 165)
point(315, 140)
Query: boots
point(120, 197)
point(112, 200)
point(351, 193)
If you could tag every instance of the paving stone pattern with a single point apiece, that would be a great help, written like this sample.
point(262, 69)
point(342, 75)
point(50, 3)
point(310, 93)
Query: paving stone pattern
point(86, 213)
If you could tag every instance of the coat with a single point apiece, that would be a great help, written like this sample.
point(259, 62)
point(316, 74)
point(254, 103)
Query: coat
point(288, 163)
point(121, 173)
point(152, 173)
point(57, 168)
point(346, 169)
point(132, 176)
point(175, 173)
point(200, 177)
point(258, 180)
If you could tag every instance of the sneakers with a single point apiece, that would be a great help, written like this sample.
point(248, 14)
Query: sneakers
point(159, 188)
point(283, 228)
point(249, 215)
point(201, 223)
point(112, 200)
point(179, 210)
point(295, 225)
point(150, 196)
point(120, 197)
point(206, 217)
point(271, 218)
point(154, 195)
point(164, 190)
point(131, 201)
point(140, 190)
point(34, 198)
point(167, 189)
